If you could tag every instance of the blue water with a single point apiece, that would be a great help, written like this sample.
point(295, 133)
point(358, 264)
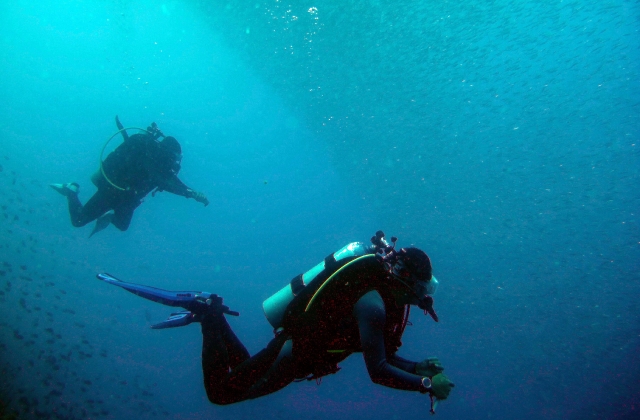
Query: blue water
point(502, 137)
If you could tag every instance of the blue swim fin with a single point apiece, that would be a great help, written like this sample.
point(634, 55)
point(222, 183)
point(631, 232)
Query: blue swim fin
point(196, 303)
point(178, 319)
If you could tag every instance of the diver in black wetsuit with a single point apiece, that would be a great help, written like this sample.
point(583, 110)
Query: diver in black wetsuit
point(355, 304)
point(139, 165)
point(356, 300)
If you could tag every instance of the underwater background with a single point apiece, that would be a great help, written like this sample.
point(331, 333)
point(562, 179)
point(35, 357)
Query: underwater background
point(501, 137)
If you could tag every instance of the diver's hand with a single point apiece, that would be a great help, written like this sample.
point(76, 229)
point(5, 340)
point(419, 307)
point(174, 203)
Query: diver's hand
point(429, 367)
point(200, 197)
point(441, 386)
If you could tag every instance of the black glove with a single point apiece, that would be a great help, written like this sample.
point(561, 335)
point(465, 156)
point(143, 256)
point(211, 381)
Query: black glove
point(429, 367)
point(441, 386)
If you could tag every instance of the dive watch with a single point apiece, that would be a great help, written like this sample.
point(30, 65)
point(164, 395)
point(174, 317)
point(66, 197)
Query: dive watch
point(425, 385)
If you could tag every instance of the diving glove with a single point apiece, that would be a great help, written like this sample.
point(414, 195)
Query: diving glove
point(429, 367)
point(441, 386)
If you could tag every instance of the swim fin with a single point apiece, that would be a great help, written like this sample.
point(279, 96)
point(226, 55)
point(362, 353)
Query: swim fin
point(196, 303)
point(102, 223)
point(68, 189)
point(178, 319)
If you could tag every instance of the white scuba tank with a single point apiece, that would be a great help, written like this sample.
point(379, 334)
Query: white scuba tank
point(274, 307)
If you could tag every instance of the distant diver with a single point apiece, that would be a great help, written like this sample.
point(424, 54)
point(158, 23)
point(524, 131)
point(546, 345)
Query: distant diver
point(144, 162)
point(356, 300)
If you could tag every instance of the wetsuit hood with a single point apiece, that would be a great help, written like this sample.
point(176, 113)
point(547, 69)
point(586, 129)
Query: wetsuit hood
point(413, 265)
point(170, 144)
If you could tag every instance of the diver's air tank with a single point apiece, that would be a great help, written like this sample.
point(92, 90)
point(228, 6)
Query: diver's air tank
point(275, 306)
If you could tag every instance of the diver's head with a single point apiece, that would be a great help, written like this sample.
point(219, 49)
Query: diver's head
point(413, 269)
point(412, 266)
point(172, 150)
point(170, 144)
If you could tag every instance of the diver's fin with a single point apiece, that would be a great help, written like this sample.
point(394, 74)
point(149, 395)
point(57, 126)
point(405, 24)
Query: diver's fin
point(102, 223)
point(194, 301)
point(181, 299)
point(178, 319)
point(70, 188)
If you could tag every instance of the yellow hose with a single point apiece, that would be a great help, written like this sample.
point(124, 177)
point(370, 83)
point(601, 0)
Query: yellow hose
point(313, 298)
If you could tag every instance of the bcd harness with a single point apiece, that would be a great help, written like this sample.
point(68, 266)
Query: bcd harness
point(320, 321)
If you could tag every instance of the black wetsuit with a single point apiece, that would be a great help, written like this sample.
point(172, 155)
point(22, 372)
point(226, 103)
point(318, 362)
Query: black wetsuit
point(137, 166)
point(231, 376)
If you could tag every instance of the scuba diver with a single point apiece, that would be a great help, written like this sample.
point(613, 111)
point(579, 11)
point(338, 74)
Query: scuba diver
point(143, 162)
point(356, 300)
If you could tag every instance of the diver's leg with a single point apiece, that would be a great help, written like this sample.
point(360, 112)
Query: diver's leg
point(221, 349)
point(281, 373)
point(123, 213)
point(235, 349)
point(215, 358)
point(97, 205)
point(252, 372)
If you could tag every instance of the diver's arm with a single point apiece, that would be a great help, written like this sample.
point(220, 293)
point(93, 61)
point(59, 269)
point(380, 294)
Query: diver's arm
point(395, 372)
point(175, 186)
point(401, 363)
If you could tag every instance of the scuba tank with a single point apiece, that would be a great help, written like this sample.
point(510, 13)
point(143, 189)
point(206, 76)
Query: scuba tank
point(278, 307)
point(275, 306)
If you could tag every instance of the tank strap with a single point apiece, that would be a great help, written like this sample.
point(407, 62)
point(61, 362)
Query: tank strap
point(297, 285)
point(330, 263)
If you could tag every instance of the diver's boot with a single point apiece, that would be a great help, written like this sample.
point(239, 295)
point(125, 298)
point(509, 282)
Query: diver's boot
point(212, 310)
point(102, 223)
point(68, 189)
point(210, 307)
point(207, 310)
point(211, 319)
